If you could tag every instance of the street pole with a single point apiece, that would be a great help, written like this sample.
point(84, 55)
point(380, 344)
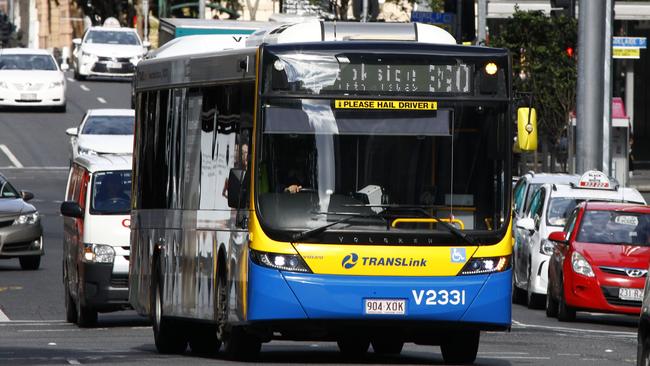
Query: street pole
point(364, 11)
point(459, 12)
point(145, 18)
point(201, 9)
point(482, 23)
point(590, 95)
point(607, 89)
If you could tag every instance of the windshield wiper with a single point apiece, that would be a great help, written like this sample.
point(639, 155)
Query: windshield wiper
point(315, 231)
point(421, 209)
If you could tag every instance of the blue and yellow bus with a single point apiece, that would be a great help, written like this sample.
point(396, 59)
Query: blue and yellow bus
point(331, 181)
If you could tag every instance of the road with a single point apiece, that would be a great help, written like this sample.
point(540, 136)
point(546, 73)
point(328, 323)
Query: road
point(33, 332)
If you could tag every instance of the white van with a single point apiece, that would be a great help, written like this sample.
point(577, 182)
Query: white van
point(96, 237)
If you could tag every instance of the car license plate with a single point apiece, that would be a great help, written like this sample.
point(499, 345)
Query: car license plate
point(28, 96)
point(114, 65)
point(385, 306)
point(630, 294)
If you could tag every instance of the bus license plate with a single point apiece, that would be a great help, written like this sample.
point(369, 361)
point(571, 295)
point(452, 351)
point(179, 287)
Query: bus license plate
point(630, 294)
point(385, 306)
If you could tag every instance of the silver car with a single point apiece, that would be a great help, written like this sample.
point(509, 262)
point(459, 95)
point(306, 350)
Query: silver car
point(21, 233)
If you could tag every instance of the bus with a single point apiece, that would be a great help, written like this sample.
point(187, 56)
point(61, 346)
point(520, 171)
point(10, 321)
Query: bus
point(343, 182)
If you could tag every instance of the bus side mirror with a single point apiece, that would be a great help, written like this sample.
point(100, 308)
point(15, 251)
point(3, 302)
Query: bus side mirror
point(527, 129)
point(237, 192)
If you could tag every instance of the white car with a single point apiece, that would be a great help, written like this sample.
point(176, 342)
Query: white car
point(107, 52)
point(103, 131)
point(31, 77)
point(549, 208)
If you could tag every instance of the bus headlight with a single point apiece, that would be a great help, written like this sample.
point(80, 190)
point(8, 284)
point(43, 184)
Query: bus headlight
point(486, 265)
point(580, 265)
point(283, 262)
point(98, 253)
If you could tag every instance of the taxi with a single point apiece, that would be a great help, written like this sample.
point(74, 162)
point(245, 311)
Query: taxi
point(547, 212)
point(600, 260)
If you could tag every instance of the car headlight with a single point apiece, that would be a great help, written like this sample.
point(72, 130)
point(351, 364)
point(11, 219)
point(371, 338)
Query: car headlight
point(283, 262)
point(85, 54)
point(546, 247)
point(85, 151)
point(98, 253)
point(27, 219)
point(486, 265)
point(135, 59)
point(56, 84)
point(580, 265)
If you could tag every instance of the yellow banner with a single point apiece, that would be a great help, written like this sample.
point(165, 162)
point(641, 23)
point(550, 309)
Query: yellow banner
point(626, 52)
point(386, 104)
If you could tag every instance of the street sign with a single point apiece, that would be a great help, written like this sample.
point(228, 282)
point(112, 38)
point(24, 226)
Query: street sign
point(635, 42)
point(430, 17)
point(626, 52)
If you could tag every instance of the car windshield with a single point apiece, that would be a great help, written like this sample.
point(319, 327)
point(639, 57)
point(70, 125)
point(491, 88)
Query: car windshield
point(615, 227)
point(112, 37)
point(111, 193)
point(559, 209)
point(7, 190)
point(340, 160)
point(108, 125)
point(27, 62)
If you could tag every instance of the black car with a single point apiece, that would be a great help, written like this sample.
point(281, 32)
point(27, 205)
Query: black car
point(21, 233)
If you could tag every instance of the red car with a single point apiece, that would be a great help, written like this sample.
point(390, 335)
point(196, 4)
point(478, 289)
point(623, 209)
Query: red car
point(600, 260)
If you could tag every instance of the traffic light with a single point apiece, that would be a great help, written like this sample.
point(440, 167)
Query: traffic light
point(569, 51)
point(565, 8)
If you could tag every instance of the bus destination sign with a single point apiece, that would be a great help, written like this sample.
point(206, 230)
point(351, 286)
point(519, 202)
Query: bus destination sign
point(422, 78)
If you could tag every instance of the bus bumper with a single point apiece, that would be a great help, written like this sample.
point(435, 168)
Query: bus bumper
point(481, 299)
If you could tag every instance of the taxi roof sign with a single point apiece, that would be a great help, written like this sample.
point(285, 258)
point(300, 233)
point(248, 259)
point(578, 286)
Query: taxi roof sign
point(594, 179)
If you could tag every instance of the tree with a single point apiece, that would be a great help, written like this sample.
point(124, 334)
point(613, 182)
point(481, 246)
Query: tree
point(545, 64)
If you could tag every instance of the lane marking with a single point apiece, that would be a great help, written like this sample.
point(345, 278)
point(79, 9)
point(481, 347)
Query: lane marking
point(101, 100)
point(72, 80)
point(36, 167)
point(84, 87)
point(575, 330)
point(3, 317)
point(74, 362)
point(48, 330)
point(520, 357)
point(11, 156)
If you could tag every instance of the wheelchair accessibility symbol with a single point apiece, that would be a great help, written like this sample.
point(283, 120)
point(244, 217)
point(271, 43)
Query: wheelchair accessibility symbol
point(458, 255)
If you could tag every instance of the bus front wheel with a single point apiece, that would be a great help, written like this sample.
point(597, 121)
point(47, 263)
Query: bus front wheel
point(461, 347)
point(167, 336)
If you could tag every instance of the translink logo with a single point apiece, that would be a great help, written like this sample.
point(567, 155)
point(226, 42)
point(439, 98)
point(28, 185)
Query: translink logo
point(351, 260)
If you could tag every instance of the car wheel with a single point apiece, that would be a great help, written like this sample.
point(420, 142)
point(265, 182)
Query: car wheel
point(518, 295)
point(61, 108)
point(168, 336)
point(461, 347)
point(387, 346)
point(353, 346)
point(203, 339)
point(533, 300)
point(551, 303)
point(78, 76)
point(70, 307)
point(30, 262)
point(644, 355)
point(86, 315)
point(565, 313)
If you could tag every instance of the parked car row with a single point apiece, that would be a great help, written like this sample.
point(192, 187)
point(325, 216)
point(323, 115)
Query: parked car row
point(582, 244)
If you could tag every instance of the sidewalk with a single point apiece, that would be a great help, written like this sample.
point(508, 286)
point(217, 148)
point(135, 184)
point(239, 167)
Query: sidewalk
point(640, 179)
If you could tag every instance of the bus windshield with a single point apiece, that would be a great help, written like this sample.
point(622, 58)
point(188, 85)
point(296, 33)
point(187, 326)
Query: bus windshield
point(319, 163)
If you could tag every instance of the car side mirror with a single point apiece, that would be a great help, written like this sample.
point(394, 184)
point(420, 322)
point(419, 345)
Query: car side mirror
point(72, 209)
point(526, 223)
point(26, 195)
point(558, 236)
point(237, 192)
point(72, 131)
point(76, 41)
point(146, 44)
point(65, 67)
